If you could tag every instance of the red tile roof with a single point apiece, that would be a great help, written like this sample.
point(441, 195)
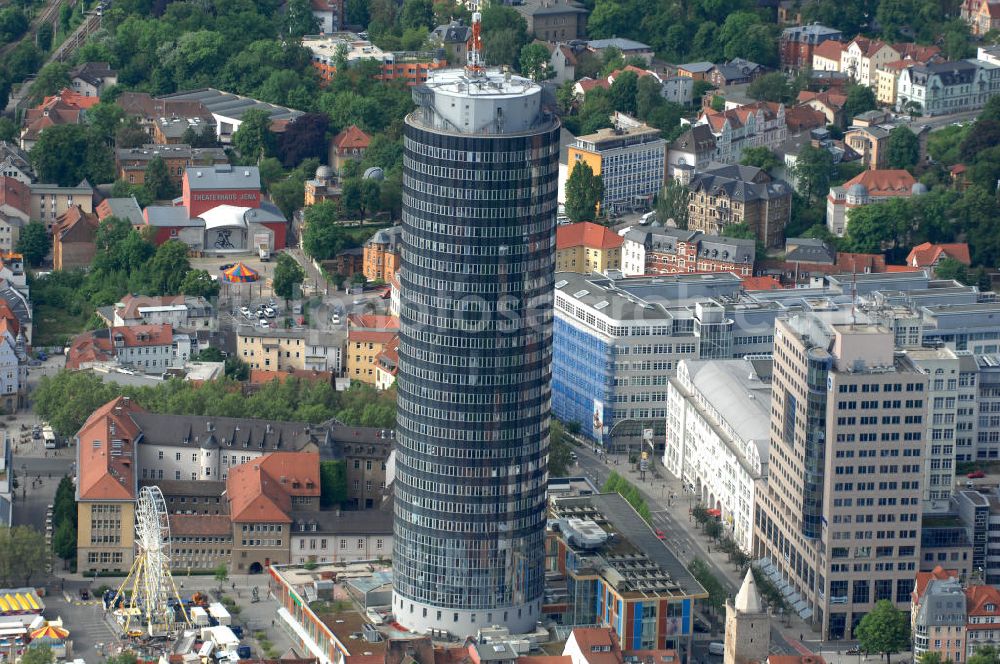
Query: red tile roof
point(872, 263)
point(128, 307)
point(262, 489)
point(917, 52)
point(834, 100)
point(869, 47)
point(388, 358)
point(73, 216)
point(587, 234)
point(803, 118)
point(137, 336)
point(200, 524)
point(927, 254)
point(593, 640)
point(737, 117)
point(923, 578)
point(760, 283)
point(352, 138)
point(53, 111)
point(87, 348)
point(72, 99)
point(105, 452)
point(884, 182)
point(16, 194)
point(373, 321)
point(977, 598)
point(830, 49)
point(588, 84)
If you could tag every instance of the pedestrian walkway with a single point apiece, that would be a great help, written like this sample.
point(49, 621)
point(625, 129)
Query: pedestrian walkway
point(665, 494)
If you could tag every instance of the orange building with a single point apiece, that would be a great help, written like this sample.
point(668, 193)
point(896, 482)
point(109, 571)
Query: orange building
point(382, 254)
point(349, 144)
point(587, 247)
point(410, 66)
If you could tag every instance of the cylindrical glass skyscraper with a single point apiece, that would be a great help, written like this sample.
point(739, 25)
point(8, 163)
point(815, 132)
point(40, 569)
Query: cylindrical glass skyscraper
point(478, 250)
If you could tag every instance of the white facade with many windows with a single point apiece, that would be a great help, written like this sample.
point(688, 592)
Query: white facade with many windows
point(718, 436)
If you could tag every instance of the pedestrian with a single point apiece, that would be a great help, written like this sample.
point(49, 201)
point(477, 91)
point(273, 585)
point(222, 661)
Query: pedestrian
point(801, 637)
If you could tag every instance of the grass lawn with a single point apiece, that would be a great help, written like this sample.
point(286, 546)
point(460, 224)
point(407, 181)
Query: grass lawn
point(54, 327)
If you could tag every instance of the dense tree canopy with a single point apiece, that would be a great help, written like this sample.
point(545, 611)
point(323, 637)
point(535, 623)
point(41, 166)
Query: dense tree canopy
point(34, 243)
point(584, 192)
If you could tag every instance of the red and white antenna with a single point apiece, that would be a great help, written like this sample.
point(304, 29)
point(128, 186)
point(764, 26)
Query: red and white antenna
point(474, 47)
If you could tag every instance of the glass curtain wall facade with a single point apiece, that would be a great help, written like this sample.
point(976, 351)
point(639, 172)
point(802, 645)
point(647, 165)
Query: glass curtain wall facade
point(475, 350)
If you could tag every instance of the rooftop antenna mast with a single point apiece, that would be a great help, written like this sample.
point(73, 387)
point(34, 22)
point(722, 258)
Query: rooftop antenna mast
point(474, 47)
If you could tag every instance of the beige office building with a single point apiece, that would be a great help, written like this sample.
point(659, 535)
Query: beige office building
point(838, 525)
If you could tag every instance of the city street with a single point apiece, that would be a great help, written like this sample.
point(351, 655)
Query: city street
point(685, 541)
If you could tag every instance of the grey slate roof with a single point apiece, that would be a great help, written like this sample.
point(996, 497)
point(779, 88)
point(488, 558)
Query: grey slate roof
point(126, 208)
point(346, 522)
point(187, 487)
point(165, 215)
point(223, 176)
point(620, 43)
point(539, 8)
point(453, 33)
point(736, 183)
point(228, 105)
point(196, 431)
point(92, 72)
point(697, 139)
point(701, 67)
point(809, 250)
point(16, 156)
point(960, 72)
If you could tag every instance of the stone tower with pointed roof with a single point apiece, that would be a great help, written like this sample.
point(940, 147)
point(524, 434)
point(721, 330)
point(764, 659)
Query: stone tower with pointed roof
point(748, 627)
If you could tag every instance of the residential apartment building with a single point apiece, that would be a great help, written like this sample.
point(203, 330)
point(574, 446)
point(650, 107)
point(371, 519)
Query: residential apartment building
point(658, 250)
point(382, 254)
point(133, 162)
point(90, 79)
point(15, 163)
point(838, 523)
point(630, 161)
point(692, 150)
point(678, 90)
point(862, 57)
point(554, 20)
point(868, 135)
point(619, 575)
point(412, 67)
point(349, 144)
point(587, 247)
point(367, 336)
point(952, 619)
point(867, 188)
point(50, 201)
point(283, 350)
point(723, 195)
point(718, 419)
point(947, 87)
point(182, 312)
point(761, 124)
point(827, 56)
point(798, 43)
point(74, 239)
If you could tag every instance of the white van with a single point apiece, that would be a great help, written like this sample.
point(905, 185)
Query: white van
point(716, 648)
point(647, 218)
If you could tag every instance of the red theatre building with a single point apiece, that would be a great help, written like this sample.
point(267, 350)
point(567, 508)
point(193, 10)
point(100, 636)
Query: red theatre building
point(211, 186)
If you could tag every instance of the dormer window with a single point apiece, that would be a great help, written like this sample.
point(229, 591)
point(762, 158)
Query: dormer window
point(991, 607)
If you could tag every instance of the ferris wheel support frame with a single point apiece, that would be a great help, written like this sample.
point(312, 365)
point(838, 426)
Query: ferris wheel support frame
point(149, 578)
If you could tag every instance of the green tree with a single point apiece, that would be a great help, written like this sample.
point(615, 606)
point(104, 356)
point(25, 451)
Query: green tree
point(237, 369)
point(584, 192)
point(672, 203)
point(761, 157)
point(287, 274)
point(299, 19)
point(360, 196)
point(64, 541)
point(984, 655)
point(560, 450)
point(38, 654)
point(322, 238)
point(158, 182)
point(221, 574)
point(64, 503)
point(949, 268)
point(771, 87)
point(167, 269)
point(199, 283)
point(623, 92)
point(52, 78)
point(254, 140)
point(65, 15)
point(417, 14)
point(34, 243)
point(8, 130)
point(210, 354)
point(813, 170)
point(44, 36)
point(23, 555)
point(534, 62)
point(505, 32)
point(860, 99)
point(332, 483)
point(871, 228)
point(903, 148)
point(67, 399)
point(92, 158)
point(885, 630)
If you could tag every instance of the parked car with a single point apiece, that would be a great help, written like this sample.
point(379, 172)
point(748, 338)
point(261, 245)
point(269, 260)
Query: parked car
point(263, 322)
point(976, 474)
point(335, 319)
point(270, 312)
point(84, 593)
point(245, 311)
point(660, 534)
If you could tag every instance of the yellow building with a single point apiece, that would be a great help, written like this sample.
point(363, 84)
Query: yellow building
point(587, 247)
point(106, 489)
point(886, 79)
point(367, 336)
point(630, 158)
point(275, 349)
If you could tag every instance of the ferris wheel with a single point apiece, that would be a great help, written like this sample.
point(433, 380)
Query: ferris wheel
point(144, 596)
